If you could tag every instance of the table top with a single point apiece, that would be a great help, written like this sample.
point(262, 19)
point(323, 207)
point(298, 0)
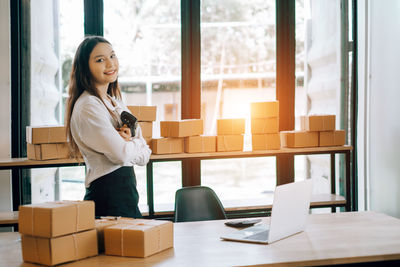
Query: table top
point(6, 163)
point(336, 238)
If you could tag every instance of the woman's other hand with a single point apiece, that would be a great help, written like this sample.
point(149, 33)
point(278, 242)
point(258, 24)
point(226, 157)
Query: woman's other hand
point(125, 133)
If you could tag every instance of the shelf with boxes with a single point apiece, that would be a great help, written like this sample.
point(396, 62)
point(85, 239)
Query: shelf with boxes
point(184, 140)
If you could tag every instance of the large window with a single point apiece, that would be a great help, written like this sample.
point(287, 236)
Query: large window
point(238, 67)
point(238, 48)
point(146, 36)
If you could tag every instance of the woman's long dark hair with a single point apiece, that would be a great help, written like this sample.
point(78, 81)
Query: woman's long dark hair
point(81, 80)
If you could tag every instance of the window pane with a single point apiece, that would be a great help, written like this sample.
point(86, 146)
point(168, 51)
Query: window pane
point(56, 30)
point(318, 79)
point(238, 65)
point(167, 177)
point(146, 36)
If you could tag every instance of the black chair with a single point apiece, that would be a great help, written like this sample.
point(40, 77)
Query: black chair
point(197, 203)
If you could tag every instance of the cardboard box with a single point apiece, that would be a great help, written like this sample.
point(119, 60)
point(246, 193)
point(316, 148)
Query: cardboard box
point(148, 141)
point(52, 219)
point(230, 126)
point(265, 125)
point(48, 151)
point(198, 144)
point(264, 109)
point(147, 128)
point(46, 134)
point(299, 139)
point(144, 113)
point(105, 222)
point(52, 251)
point(229, 143)
point(139, 239)
point(318, 123)
point(332, 138)
point(167, 145)
point(266, 141)
point(181, 128)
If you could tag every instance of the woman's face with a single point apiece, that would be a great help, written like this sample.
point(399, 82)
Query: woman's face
point(103, 65)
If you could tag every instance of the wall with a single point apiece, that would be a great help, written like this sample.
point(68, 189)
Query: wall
point(380, 103)
point(5, 106)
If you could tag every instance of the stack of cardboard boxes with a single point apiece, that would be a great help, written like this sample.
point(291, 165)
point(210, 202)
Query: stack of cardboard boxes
point(324, 125)
point(265, 125)
point(174, 133)
point(57, 232)
point(316, 130)
point(230, 134)
point(47, 142)
point(145, 116)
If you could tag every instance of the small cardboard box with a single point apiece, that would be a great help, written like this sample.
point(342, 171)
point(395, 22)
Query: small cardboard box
point(147, 128)
point(229, 143)
point(46, 134)
point(266, 141)
point(299, 139)
point(332, 138)
point(230, 126)
point(139, 239)
point(52, 219)
point(265, 125)
point(198, 144)
point(52, 251)
point(167, 145)
point(181, 128)
point(144, 113)
point(316, 123)
point(105, 222)
point(264, 109)
point(48, 151)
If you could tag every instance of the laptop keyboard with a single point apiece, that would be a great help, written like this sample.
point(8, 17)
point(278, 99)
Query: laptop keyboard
point(261, 236)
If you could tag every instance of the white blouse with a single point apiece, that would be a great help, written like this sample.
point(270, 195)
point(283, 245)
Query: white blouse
point(103, 149)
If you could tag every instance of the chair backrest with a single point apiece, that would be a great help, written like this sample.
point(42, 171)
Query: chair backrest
point(197, 203)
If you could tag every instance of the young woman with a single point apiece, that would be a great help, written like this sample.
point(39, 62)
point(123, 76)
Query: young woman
point(95, 129)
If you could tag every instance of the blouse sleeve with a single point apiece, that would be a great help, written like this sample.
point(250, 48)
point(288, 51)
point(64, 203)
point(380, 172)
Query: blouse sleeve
point(98, 133)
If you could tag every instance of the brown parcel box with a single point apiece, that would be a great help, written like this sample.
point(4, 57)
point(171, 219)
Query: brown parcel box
point(147, 129)
point(299, 139)
point(198, 144)
point(48, 151)
point(264, 109)
point(229, 143)
point(139, 239)
point(46, 134)
point(332, 138)
point(266, 141)
point(144, 113)
point(52, 251)
point(51, 219)
point(316, 123)
point(230, 126)
point(167, 145)
point(104, 222)
point(181, 128)
point(265, 125)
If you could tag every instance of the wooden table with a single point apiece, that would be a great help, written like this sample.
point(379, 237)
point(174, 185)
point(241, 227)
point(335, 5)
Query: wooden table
point(337, 238)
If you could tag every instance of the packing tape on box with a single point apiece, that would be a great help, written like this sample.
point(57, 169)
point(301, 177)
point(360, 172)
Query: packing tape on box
point(36, 249)
point(122, 239)
point(225, 143)
point(75, 247)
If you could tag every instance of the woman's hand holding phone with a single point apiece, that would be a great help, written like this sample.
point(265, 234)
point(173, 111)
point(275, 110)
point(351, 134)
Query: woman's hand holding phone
point(125, 133)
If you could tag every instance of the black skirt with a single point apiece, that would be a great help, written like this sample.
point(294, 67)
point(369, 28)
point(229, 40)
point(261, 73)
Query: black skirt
point(115, 194)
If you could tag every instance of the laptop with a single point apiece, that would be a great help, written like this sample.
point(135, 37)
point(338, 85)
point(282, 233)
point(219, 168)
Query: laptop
point(290, 210)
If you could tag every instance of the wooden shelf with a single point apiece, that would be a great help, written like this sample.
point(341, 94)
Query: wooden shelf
point(8, 218)
point(7, 163)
